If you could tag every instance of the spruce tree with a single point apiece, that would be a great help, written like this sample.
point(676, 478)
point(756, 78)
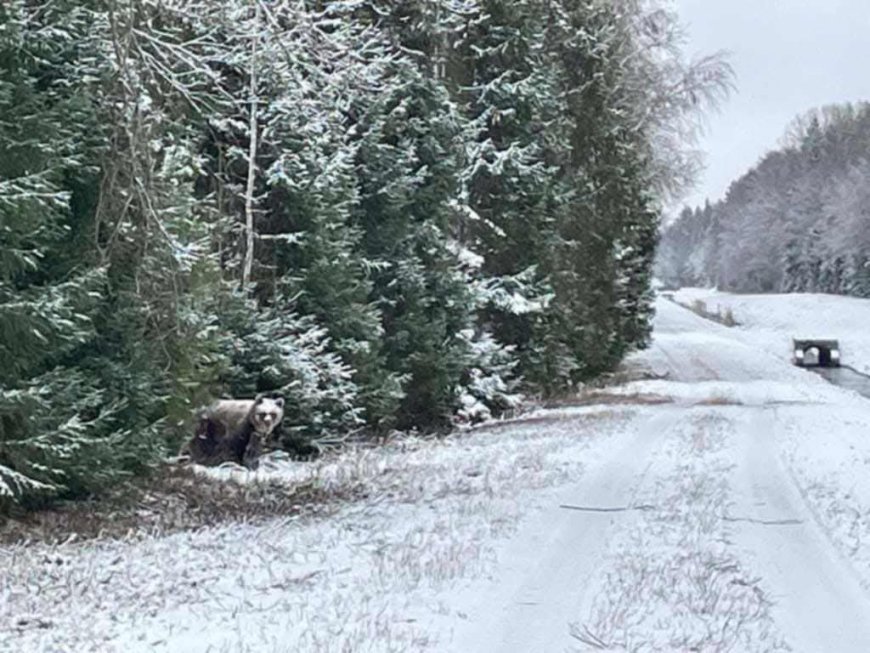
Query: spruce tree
point(511, 100)
point(392, 213)
point(59, 426)
point(308, 253)
point(408, 164)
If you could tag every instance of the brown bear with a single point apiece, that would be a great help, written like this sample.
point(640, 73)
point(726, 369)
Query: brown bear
point(234, 430)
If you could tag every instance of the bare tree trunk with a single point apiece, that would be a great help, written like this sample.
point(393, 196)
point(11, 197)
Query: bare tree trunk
point(252, 156)
point(440, 46)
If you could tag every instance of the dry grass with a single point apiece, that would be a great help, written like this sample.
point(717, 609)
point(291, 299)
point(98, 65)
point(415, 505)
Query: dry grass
point(177, 498)
point(370, 578)
point(605, 398)
point(719, 401)
point(173, 499)
point(554, 418)
point(627, 372)
point(725, 318)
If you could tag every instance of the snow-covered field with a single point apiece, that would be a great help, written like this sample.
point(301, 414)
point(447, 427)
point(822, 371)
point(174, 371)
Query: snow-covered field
point(770, 321)
point(724, 506)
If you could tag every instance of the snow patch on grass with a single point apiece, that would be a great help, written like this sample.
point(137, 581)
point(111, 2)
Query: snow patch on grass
point(747, 393)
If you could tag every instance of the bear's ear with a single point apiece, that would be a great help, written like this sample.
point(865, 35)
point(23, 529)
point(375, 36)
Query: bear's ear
point(280, 402)
point(259, 399)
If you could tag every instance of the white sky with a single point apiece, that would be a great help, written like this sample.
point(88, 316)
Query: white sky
point(789, 56)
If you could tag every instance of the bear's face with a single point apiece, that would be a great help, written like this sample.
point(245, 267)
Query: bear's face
point(266, 414)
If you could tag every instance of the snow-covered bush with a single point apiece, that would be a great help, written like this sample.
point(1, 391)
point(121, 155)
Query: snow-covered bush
point(490, 385)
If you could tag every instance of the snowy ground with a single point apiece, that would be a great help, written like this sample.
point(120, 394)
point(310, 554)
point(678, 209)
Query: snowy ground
point(772, 320)
point(725, 507)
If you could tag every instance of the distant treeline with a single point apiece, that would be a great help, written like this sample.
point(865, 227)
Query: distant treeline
point(398, 214)
point(799, 221)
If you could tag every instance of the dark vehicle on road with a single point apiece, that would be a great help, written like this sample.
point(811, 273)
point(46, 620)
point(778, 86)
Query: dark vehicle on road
point(816, 353)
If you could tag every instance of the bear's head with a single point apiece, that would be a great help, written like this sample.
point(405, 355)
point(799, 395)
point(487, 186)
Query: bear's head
point(266, 414)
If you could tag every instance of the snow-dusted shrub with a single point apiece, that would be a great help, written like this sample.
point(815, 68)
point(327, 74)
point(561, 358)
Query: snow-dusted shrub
point(272, 350)
point(490, 385)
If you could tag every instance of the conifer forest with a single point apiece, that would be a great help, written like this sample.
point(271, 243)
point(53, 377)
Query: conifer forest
point(401, 215)
point(797, 222)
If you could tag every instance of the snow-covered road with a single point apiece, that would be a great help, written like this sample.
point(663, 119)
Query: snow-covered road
point(724, 506)
point(723, 547)
point(545, 570)
point(720, 547)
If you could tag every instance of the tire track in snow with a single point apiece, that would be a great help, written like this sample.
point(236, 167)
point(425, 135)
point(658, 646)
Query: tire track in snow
point(836, 494)
point(819, 599)
point(547, 572)
point(675, 582)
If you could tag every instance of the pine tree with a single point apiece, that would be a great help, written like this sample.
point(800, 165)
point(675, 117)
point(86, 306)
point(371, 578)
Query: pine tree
point(859, 283)
point(795, 268)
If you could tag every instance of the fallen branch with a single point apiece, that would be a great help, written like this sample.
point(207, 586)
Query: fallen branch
point(765, 522)
point(589, 638)
point(642, 507)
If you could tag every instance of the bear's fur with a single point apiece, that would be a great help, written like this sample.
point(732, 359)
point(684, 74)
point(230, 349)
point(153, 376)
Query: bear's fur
point(234, 430)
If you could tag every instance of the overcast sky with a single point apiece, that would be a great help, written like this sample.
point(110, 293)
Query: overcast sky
point(789, 56)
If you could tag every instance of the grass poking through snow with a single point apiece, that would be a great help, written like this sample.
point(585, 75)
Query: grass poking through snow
point(675, 583)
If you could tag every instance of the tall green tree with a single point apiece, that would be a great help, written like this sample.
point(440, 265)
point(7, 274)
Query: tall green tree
point(60, 420)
